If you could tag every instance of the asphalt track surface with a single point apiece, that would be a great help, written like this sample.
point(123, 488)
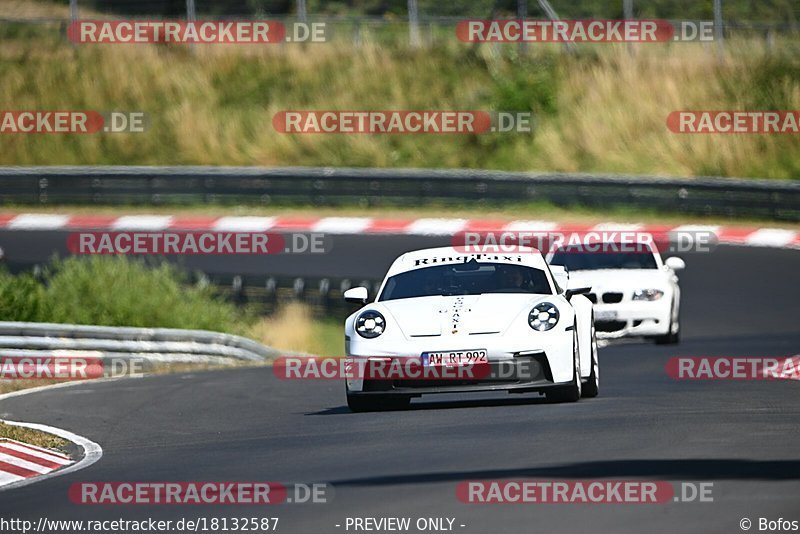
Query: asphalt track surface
point(246, 425)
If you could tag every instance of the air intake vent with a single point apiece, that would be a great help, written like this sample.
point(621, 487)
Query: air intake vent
point(612, 298)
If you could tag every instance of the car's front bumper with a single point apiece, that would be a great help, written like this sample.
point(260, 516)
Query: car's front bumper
point(632, 319)
point(519, 374)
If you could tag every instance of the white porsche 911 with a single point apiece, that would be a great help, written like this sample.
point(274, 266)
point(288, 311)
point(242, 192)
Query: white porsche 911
point(447, 309)
point(635, 292)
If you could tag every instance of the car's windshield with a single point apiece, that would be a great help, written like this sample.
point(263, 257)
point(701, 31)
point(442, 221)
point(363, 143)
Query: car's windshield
point(575, 259)
point(470, 278)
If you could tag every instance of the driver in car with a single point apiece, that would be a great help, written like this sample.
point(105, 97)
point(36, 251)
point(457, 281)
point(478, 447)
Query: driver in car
point(511, 278)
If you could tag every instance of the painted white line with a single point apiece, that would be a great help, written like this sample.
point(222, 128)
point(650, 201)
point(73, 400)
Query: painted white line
point(531, 226)
point(38, 221)
point(688, 228)
point(92, 452)
point(25, 464)
point(243, 224)
point(142, 222)
point(342, 225)
point(28, 391)
point(612, 226)
point(436, 226)
point(8, 478)
point(35, 451)
point(771, 237)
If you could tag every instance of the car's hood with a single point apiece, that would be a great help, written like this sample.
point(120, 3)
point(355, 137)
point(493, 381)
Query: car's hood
point(619, 278)
point(462, 314)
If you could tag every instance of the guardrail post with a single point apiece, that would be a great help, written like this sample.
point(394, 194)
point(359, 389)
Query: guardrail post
point(718, 29)
point(627, 9)
point(41, 191)
point(413, 23)
point(238, 290)
point(298, 287)
point(73, 15)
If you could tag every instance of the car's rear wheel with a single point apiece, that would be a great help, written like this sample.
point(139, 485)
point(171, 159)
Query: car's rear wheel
point(571, 392)
point(592, 386)
point(373, 403)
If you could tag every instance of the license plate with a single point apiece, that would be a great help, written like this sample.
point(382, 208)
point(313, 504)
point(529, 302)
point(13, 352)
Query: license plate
point(454, 358)
point(605, 315)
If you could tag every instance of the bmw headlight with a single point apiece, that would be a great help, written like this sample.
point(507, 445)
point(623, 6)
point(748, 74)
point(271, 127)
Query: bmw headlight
point(647, 294)
point(370, 324)
point(543, 316)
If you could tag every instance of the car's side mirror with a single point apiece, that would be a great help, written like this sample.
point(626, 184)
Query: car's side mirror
point(560, 275)
point(356, 295)
point(675, 263)
point(577, 291)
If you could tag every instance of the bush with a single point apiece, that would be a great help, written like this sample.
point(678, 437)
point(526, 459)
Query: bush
point(21, 298)
point(116, 291)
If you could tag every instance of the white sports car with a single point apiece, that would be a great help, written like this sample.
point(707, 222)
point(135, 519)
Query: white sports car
point(447, 309)
point(635, 293)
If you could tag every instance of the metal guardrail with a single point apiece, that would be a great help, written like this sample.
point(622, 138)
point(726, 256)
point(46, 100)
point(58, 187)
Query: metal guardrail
point(267, 294)
point(767, 199)
point(151, 345)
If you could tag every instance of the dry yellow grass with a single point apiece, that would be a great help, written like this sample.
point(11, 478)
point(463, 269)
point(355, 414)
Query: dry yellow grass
point(214, 104)
point(615, 111)
point(290, 329)
point(33, 437)
point(28, 9)
point(294, 328)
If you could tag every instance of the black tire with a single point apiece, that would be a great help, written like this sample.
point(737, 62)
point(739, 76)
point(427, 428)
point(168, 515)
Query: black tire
point(571, 392)
point(371, 403)
point(592, 386)
point(671, 338)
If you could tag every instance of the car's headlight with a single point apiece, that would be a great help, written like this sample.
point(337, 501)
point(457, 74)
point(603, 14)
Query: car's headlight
point(543, 316)
point(647, 294)
point(370, 324)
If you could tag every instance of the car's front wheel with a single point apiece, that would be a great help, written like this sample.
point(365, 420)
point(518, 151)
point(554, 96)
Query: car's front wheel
point(673, 335)
point(571, 392)
point(592, 386)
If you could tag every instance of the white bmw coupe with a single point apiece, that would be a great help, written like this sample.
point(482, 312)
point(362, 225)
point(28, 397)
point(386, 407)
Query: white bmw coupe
point(635, 292)
point(508, 314)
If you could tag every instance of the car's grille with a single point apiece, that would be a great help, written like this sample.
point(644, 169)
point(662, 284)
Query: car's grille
point(592, 297)
point(609, 326)
point(612, 298)
point(527, 369)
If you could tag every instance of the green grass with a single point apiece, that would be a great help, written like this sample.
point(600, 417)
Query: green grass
point(116, 291)
point(329, 336)
point(32, 437)
point(748, 10)
point(600, 110)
